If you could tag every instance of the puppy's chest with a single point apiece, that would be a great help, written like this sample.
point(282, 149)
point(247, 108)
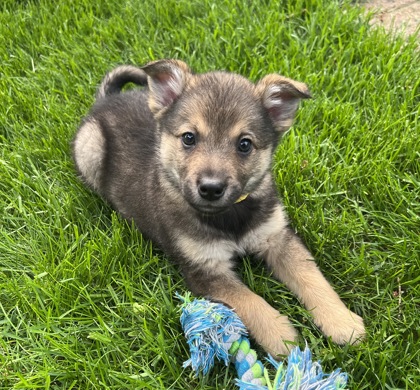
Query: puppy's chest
point(217, 248)
point(242, 218)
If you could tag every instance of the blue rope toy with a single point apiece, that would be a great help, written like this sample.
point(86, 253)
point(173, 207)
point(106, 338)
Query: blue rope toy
point(214, 331)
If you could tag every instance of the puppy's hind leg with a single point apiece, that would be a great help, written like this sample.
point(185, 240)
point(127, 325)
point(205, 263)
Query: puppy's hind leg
point(89, 152)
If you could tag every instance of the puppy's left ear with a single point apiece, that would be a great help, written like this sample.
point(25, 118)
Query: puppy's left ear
point(280, 96)
point(166, 80)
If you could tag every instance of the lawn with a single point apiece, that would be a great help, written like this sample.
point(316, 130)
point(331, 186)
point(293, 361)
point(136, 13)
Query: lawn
point(86, 303)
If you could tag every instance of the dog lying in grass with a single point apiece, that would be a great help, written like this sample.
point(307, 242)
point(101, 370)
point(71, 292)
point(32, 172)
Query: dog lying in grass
point(188, 159)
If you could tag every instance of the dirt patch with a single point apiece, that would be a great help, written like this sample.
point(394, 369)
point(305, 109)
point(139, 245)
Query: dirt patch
point(399, 15)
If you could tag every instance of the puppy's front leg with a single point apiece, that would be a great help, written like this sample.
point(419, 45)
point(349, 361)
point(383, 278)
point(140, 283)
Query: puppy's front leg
point(292, 264)
point(207, 269)
point(264, 323)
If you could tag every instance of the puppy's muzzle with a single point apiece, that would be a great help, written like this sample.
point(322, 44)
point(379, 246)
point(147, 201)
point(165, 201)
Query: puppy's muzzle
point(211, 189)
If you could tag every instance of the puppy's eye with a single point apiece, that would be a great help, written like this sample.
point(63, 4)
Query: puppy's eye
point(188, 139)
point(245, 146)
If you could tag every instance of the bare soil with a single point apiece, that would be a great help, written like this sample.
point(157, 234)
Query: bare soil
point(400, 15)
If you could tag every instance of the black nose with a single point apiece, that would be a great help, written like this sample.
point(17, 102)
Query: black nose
point(211, 189)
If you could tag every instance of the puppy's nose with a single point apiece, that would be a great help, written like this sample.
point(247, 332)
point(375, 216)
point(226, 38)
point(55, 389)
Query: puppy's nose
point(211, 189)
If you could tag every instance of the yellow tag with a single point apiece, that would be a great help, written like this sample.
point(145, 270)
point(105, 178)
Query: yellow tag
point(241, 198)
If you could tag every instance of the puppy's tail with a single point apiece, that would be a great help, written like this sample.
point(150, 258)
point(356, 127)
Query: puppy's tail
point(115, 80)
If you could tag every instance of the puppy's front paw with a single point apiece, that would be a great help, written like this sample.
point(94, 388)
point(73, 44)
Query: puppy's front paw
point(265, 324)
point(273, 333)
point(342, 325)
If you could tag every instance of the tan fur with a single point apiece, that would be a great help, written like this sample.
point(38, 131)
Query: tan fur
point(213, 254)
point(241, 128)
point(279, 92)
point(281, 81)
point(195, 122)
point(162, 73)
point(272, 331)
point(260, 170)
point(302, 276)
point(258, 240)
point(296, 268)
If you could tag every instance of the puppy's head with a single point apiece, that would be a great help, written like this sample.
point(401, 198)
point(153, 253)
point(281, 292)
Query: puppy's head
point(218, 130)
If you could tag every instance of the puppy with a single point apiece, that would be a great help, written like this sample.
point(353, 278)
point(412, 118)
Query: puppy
point(188, 159)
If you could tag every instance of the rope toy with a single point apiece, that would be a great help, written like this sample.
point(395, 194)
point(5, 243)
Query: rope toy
point(214, 331)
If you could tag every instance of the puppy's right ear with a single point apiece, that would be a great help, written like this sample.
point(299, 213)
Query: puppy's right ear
point(166, 80)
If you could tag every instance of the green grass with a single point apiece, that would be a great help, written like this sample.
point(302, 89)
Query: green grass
point(85, 303)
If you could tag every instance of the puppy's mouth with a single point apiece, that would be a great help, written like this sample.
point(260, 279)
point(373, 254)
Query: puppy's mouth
point(211, 211)
point(212, 196)
point(211, 208)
